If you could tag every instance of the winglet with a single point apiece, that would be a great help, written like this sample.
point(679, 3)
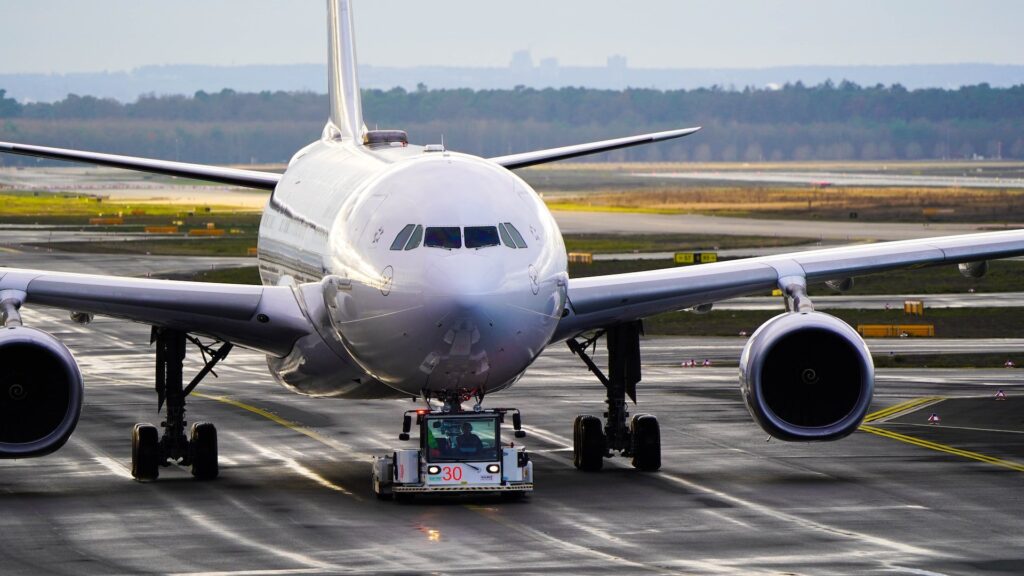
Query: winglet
point(346, 119)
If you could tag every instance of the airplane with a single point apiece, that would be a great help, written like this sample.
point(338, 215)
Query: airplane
point(392, 270)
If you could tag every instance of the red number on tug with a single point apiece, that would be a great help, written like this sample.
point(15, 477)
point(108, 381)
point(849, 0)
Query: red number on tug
point(449, 473)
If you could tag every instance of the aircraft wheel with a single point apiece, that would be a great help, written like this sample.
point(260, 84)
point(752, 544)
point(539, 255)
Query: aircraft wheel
point(203, 445)
point(646, 438)
point(588, 443)
point(145, 452)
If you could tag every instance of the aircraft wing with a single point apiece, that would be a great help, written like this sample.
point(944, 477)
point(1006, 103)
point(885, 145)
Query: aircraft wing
point(233, 176)
point(265, 318)
point(601, 301)
point(513, 161)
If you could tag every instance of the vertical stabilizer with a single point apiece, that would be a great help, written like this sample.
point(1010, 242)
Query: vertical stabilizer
point(343, 81)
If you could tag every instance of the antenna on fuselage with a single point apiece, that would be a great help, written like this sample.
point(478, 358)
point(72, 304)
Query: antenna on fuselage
point(346, 120)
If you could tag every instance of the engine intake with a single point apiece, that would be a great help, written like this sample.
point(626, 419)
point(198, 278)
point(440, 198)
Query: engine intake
point(807, 376)
point(40, 393)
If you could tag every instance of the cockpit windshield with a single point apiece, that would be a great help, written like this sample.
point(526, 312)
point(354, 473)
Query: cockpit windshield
point(449, 237)
point(451, 439)
point(481, 236)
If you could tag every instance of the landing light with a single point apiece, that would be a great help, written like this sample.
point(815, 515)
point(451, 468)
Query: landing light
point(493, 468)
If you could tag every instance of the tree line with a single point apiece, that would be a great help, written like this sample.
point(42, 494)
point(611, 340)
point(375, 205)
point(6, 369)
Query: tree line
point(794, 122)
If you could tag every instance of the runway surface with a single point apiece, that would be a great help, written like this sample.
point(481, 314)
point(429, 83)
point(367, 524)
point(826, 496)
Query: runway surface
point(840, 179)
point(847, 231)
point(294, 496)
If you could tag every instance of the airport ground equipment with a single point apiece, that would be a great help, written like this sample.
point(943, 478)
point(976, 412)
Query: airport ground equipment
point(459, 452)
point(638, 437)
point(151, 450)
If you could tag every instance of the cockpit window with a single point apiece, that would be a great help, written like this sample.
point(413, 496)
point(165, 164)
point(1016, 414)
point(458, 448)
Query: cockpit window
point(415, 239)
point(516, 236)
point(402, 237)
point(449, 237)
point(506, 238)
point(481, 236)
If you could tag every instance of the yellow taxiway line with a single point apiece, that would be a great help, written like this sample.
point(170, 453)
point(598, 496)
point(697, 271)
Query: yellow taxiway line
point(918, 403)
point(902, 407)
point(944, 448)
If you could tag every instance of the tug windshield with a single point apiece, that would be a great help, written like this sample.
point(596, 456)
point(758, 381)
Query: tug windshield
point(455, 439)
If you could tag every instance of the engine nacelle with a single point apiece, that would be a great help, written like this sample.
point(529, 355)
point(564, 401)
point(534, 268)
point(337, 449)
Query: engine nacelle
point(40, 393)
point(973, 269)
point(807, 376)
point(842, 285)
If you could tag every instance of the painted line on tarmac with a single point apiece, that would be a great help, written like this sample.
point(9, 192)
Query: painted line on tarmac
point(762, 509)
point(339, 446)
point(903, 407)
point(968, 428)
point(944, 448)
point(292, 464)
point(284, 572)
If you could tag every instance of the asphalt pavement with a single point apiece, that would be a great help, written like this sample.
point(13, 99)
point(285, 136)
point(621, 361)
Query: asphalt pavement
point(294, 494)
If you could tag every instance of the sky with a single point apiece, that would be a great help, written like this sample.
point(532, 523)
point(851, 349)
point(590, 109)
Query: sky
point(61, 36)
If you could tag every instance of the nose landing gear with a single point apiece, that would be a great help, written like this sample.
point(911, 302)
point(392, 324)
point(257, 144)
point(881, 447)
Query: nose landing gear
point(639, 437)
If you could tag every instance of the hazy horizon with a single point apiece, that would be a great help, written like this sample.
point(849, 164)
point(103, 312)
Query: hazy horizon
point(64, 36)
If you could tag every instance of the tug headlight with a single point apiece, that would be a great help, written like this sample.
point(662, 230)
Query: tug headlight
point(493, 468)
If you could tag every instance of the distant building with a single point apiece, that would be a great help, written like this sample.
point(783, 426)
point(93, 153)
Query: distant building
point(548, 71)
point(617, 72)
point(521, 61)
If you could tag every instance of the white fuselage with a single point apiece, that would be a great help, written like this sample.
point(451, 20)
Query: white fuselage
point(399, 308)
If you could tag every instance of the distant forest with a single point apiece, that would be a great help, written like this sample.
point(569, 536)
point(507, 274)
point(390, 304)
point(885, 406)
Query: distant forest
point(824, 122)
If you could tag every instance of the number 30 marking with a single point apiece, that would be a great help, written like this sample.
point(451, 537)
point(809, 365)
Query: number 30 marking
point(449, 473)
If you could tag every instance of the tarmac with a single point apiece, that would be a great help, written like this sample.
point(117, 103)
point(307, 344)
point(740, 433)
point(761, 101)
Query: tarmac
point(294, 494)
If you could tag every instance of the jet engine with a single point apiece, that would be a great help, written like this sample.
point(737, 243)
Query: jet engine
point(40, 393)
point(807, 376)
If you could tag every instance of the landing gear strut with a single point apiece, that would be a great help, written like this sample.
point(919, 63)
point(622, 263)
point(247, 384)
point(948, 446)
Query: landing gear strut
point(150, 450)
point(639, 437)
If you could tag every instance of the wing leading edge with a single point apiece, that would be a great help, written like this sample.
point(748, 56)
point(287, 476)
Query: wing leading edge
point(265, 318)
point(522, 160)
point(601, 301)
point(233, 176)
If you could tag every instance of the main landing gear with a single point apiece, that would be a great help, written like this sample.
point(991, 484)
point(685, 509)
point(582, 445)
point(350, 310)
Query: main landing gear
point(638, 437)
point(150, 450)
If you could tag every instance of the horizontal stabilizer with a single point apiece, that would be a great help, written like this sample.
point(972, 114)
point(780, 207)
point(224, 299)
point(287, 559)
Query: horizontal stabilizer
point(513, 161)
point(233, 176)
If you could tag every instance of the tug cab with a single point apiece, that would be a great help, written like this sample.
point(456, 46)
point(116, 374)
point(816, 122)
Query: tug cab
point(459, 452)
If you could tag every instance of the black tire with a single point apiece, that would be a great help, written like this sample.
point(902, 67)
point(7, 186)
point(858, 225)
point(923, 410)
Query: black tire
point(646, 442)
point(588, 443)
point(145, 453)
point(203, 448)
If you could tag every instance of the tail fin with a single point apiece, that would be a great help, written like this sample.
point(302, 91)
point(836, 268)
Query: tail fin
point(343, 80)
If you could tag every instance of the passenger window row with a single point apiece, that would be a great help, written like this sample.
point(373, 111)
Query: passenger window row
point(451, 237)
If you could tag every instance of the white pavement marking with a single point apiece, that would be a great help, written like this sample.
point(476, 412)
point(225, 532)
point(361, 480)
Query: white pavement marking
point(755, 507)
point(115, 467)
point(294, 466)
point(212, 526)
point(284, 572)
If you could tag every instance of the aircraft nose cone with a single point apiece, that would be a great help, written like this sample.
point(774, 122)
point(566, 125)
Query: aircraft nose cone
point(465, 284)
